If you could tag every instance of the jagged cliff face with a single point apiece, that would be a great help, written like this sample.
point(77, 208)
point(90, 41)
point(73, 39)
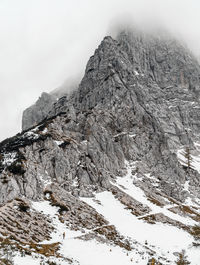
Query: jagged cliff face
point(37, 112)
point(135, 111)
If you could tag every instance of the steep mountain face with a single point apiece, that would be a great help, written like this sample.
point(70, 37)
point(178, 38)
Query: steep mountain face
point(114, 161)
point(37, 112)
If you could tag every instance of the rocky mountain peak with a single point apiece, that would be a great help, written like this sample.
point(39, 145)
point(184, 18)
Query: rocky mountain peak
point(163, 58)
point(124, 145)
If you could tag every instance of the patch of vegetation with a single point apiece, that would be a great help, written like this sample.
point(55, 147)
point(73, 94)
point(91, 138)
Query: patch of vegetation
point(154, 201)
point(51, 262)
point(1, 163)
point(196, 244)
point(127, 203)
point(6, 252)
point(153, 261)
point(20, 140)
point(46, 249)
point(172, 200)
point(6, 262)
point(62, 208)
point(9, 246)
point(187, 209)
point(136, 208)
point(151, 219)
point(182, 259)
point(5, 180)
point(196, 231)
point(111, 234)
point(16, 168)
point(23, 207)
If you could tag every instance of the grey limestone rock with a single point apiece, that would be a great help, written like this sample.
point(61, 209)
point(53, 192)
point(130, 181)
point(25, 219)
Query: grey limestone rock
point(37, 112)
point(138, 101)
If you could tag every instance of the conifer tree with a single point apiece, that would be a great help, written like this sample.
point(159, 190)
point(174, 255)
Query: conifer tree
point(188, 157)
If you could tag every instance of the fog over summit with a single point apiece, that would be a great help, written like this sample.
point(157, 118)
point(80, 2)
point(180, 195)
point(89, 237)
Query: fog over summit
point(44, 43)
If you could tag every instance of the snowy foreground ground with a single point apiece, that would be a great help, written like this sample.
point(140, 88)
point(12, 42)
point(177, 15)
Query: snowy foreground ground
point(164, 239)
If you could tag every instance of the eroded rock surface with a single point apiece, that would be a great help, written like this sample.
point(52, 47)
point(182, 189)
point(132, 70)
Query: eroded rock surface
point(138, 105)
point(37, 112)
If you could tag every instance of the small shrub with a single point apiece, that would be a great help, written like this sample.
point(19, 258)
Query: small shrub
point(182, 259)
point(196, 231)
point(16, 168)
point(23, 207)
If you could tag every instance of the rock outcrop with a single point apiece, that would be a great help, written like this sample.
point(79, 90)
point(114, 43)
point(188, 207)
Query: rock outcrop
point(40, 110)
point(37, 112)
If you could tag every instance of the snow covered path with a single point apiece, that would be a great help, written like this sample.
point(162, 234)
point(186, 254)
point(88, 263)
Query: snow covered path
point(84, 252)
point(163, 238)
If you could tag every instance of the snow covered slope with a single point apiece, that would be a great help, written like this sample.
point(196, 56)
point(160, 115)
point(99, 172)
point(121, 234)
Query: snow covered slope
point(156, 238)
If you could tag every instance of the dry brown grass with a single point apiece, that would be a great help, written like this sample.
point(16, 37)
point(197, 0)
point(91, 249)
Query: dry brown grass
point(29, 248)
point(45, 249)
point(154, 201)
point(136, 207)
point(196, 231)
point(112, 235)
point(186, 210)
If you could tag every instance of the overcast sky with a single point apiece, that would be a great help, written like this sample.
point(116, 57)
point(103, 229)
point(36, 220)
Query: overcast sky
point(45, 42)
